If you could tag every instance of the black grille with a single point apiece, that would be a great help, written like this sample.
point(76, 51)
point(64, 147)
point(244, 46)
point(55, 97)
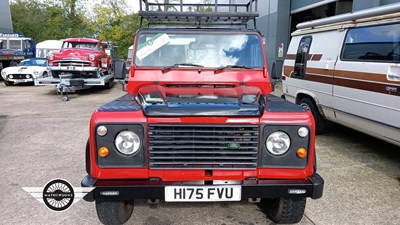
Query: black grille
point(19, 76)
point(203, 146)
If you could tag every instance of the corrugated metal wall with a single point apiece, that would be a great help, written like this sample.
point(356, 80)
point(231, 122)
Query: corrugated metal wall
point(5, 17)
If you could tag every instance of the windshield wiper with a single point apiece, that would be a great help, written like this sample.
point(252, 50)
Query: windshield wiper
point(182, 65)
point(216, 70)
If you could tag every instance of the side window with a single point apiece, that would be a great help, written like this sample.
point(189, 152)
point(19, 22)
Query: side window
point(302, 56)
point(374, 44)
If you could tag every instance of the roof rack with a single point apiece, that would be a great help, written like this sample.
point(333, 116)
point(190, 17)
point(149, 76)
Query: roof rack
point(208, 13)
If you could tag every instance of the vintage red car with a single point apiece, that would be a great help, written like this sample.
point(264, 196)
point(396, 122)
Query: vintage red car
point(80, 55)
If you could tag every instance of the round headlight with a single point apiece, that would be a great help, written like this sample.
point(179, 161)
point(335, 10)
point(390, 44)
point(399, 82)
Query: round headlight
point(27, 76)
point(278, 143)
point(35, 72)
point(3, 73)
point(302, 132)
point(92, 57)
point(11, 76)
point(102, 131)
point(127, 142)
point(50, 56)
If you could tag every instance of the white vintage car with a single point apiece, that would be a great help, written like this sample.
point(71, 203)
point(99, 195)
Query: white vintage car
point(27, 71)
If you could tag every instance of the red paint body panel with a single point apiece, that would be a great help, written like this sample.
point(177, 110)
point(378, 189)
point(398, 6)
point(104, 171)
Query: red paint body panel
point(192, 76)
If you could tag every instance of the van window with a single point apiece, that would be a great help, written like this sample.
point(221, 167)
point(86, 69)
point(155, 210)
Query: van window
point(302, 56)
point(375, 43)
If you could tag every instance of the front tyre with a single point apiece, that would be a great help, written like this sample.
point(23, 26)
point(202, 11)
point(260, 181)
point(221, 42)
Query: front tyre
point(284, 210)
point(114, 212)
point(8, 83)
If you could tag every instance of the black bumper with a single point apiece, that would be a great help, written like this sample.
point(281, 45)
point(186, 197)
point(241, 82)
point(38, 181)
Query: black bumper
point(145, 189)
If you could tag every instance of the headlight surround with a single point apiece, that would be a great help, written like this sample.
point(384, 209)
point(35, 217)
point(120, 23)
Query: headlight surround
point(127, 142)
point(278, 143)
point(50, 56)
point(92, 57)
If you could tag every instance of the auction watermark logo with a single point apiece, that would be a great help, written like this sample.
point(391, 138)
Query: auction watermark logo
point(58, 194)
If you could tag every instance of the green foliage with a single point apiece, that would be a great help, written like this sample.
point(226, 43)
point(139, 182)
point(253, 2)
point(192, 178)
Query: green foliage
point(58, 19)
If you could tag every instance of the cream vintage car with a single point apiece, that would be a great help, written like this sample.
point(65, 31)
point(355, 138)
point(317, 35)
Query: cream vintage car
point(26, 72)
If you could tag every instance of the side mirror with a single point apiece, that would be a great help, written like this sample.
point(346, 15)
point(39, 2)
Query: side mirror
point(276, 71)
point(120, 70)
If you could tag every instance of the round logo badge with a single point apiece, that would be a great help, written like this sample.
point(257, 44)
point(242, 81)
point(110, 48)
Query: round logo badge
point(58, 195)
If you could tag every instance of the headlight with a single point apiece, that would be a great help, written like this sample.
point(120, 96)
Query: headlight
point(11, 76)
point(50, 56)
point(302, 132)
point(127, 142)
point(92, 57)
point(3, 73)
point(278, 143)
point(35, 72)
point(27, 76)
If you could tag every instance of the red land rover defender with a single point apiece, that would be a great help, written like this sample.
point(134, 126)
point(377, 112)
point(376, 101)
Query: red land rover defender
point(199, 124)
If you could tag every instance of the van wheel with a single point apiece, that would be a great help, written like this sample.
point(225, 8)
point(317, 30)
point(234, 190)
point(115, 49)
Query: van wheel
point(114, 212)
point(320, 122)
point(284, 210)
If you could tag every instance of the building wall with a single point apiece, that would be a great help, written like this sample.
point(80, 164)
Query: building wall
point(5, 17)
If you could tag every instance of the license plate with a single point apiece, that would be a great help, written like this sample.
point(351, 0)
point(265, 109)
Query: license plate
point(70, 67)
point(203, 193)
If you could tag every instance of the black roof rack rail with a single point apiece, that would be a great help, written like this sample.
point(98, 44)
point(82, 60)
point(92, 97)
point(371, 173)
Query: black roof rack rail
point(210, 13)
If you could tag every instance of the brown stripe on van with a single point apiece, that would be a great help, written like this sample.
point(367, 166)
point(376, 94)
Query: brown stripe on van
point(372, 77)
point(287, 70)
point(309, 56)
point(316, 57)
point(319, 71)
point(291, 56)
point(318, 78)
point(369, 86)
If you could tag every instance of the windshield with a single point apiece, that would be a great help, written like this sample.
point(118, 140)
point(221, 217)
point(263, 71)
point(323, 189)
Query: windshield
point(79, 45)
point(33, 62)
point(207, 49)
point(15, 44)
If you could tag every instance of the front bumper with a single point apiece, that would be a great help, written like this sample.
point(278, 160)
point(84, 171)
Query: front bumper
point(101, 81)
point(145, 189)
point(17, 81)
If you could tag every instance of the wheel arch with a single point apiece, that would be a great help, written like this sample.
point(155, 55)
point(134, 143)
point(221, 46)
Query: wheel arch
point(312, 97)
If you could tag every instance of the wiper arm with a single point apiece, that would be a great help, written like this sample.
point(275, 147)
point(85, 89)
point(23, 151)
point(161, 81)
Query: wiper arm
point(182, 65)
point(216, 70)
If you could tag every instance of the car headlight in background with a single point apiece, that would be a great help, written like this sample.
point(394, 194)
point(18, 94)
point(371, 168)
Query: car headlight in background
point(11, 76)
point(3, 73)
point(127, 142)
point(92, 57)
point(35, 72)
point(50, 56)
point(278, 143)
point(27, 76)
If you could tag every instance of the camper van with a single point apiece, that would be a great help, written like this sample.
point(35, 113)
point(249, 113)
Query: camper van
point(345, 69)
point(45, 47)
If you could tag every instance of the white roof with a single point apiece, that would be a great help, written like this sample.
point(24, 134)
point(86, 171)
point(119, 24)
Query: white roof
point(50, 44)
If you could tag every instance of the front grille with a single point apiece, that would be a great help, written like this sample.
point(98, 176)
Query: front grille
point(72, 63)
point(213, 146)
point(19, 76)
